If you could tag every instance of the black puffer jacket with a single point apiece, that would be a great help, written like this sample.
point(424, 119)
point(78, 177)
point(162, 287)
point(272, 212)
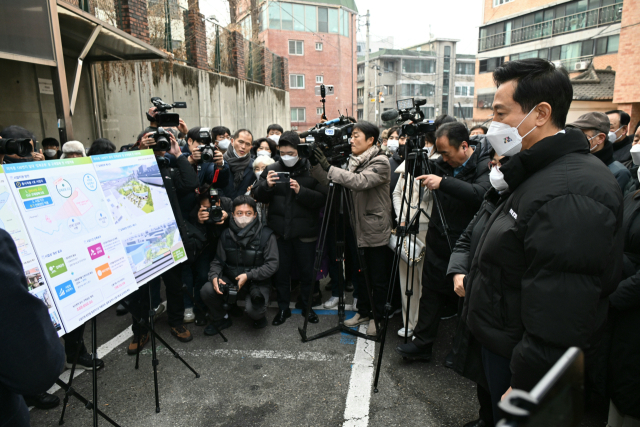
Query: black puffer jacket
point(622, 151)
point(549, 257)
point(292, 215)
point(624, 359)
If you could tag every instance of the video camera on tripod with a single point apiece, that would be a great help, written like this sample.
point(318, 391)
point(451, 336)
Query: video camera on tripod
point(162, 118)
point(332, 137)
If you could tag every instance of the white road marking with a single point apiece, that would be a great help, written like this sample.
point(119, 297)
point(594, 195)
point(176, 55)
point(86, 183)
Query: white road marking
point(260, 354)
point(356, 412)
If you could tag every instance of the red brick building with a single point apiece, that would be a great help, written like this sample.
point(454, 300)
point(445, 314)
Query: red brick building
point(319, 39)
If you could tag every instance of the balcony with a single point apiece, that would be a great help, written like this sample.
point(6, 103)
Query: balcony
point(360, 78)
point(361, 100)
point(567, 24)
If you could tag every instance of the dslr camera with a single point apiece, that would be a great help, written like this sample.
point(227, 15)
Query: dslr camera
point(332, 137)
point(215, 212)
point(21, 147)
point(163, 118)
point(208, 148)
point(162, 139)
point(229, 294)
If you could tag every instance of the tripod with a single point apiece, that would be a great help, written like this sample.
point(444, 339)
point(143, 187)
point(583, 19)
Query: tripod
point(149, 324)
point(418, 163)
point(343, 199)
point(70, 391)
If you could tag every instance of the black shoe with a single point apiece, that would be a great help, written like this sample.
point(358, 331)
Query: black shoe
point(121, 310)
point(261, 323)
point(214, 327)
point(449, 312)
point(316, 300)
point(313, 317)
point(448, 362)
point(42, 401)
point(476, 423)
point(348, 287)
point(410, 351)
point(85, 362)
point(281, 317)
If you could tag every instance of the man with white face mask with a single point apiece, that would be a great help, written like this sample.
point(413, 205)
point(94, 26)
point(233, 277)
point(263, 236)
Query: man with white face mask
point(618, 135)
point(551, 253)
point(295, 199)
point(274, 132)
point(595, 127)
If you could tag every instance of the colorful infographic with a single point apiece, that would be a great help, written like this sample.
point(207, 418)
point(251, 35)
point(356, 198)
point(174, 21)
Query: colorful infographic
point(75, 239)
point(140, 209)
point(11, 222)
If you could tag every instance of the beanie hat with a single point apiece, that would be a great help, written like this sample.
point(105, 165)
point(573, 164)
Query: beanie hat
point(289, 138)
point(72, 147)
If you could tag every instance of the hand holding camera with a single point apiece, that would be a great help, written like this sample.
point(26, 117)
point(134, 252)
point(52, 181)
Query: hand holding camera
point(217, 283)
point(272, 178)
point(242, 279)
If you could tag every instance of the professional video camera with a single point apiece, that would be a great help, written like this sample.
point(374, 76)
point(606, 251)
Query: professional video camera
point(409, 109)
point(22, 147)
point(332, 137)
point(215, 212)
point(163, 118)
point(162, 139)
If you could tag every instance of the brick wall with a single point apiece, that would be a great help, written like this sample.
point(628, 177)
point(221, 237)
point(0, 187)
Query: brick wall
point(132, 18)
point(196, 36)
point(238, 55)
point(627, 90)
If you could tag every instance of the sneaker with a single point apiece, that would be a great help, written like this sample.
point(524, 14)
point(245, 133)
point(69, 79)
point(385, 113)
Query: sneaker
point(133, 346)
point(372, 331)
point(356, 320)
point(331, 302)
point(160, 309)
point(213, 327)
point(189, 317)
point(85, 362)
point(401, 332)
point(181, 333)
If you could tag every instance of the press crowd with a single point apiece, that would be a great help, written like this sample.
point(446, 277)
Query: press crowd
point(528, 235)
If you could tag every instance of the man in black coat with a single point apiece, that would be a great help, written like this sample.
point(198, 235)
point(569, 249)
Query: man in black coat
point(619, 129)
point(551, 253)
point(461, 177)
point(295, 199)
point(32, 356)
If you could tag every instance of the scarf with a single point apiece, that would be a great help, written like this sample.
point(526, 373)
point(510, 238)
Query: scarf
point(244, 236)
point(356, 161)
point(236, 164)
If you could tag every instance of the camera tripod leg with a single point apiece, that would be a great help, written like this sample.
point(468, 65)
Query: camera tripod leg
point(383, 339)
point(138, 337)
point(69, 390)
point(154, 358)
point(94, 359)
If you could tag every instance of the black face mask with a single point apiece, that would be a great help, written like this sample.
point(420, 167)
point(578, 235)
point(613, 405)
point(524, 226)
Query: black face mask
point(9, 160)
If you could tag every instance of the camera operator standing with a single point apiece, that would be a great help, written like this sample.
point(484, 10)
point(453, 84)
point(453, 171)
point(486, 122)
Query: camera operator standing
point(461, 178)
point(180, 180)
point(368, 176)
point(294, 198)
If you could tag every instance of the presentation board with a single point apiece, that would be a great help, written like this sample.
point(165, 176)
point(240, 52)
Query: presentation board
point(11, 222)
point(76, 242)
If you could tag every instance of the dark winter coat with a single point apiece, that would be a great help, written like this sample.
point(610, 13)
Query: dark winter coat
point(624, 357)
point(619, 171)
point(231, 190)
point(292, 215)
point(621, 151)
point(180, 182)
point(549, 257)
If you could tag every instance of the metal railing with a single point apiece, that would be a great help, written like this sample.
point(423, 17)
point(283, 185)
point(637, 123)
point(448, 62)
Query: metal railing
point(360, 77)
point(579, 21)
point(580, 63)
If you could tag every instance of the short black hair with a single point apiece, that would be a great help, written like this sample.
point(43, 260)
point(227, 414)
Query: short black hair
point(244, 200)
point(17, 132)
point(101, 146)
point(274, 126)
point(456, 132)
point(394, 129)
point(538, 80)
point(203, 192)
point(442, 119)
point(625, 119)
point(256, 144)
point(49, 142)
point(239, 131)
point(219, 130)
point(194, 133)
point(369, 129)
point(483, 128)
point(290, 138)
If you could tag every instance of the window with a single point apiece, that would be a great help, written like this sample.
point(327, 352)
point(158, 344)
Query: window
point(297, 115)
point(334, 25)
point(298, 17)
point(296, 81)
point(344, 23)
point(464, 89)
point(465, 68)
point(607, 45)
point(422, 66)
point(323, 20)
point(429, 112)
point(319, 79)
point(488, 65)
point(497, 3)
point(411, 89)
point(360, 114)
point(319, 46)
point(485, 101)
point(361, 70)
point(274, 16)
point(310, 19)
point(318, 111)
point(387, 90)
point(465, 111)
point(296, 47)
point(286, 14)
point(389, 66)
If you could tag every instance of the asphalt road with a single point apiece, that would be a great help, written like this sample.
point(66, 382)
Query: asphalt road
point(269, 377)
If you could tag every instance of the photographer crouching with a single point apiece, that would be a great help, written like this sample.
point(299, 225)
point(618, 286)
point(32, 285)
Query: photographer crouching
point(367, 176)
point(246, 258)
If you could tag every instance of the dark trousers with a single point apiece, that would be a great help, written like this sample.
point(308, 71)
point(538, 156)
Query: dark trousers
point(302, 254)
point(498, 373)
point(215, 302)
point(336, 271)
point(196, 275)
point(139, 300)
point(73, 341)
point(486, 407)
point(378, 271)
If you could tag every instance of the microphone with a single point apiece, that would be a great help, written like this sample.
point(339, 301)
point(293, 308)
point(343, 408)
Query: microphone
point(389, 115)
point(304, 134)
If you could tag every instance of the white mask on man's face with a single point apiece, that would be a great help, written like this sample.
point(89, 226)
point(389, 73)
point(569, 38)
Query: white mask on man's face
point(613, 135)
point(263, 153)
point(497, 179)
point(243, 221)
point(274, 138)
point(635, 154)
point(224, 144)
point(289, 161)
point(505, 139)
point(49, 152)
point(393, 145)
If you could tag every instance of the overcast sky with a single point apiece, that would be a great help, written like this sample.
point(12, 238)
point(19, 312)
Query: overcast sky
point(406, 20)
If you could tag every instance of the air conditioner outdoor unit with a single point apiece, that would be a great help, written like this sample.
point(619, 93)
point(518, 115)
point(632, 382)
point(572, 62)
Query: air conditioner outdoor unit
point(581, 66)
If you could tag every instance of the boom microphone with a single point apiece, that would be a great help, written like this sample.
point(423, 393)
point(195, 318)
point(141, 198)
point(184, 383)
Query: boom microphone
point(389, 115)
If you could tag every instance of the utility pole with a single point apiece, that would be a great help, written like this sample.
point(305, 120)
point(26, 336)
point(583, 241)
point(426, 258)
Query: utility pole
point(366, 74)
